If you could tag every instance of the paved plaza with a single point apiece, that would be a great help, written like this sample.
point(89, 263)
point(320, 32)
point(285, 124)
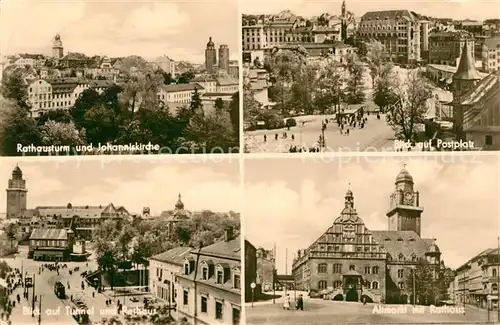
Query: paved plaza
point(326, 312)
point(44, 289)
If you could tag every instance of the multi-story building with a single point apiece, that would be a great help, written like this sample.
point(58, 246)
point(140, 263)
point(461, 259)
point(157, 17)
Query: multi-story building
point(446, 47)
point(477, 281)
point(34, 60)
point(179, 94)
point(74, 60)
point(65, 92)
point(50, 244)
point(210, 56)
point(257, 81)
point(17, 194)
point(234, 69)
point(162, 270)
point(227, 85)
point(101, 67)
point(491, 54)
point(100, 86)
point(39, 97)
point(224, 57)
point(166, 64)
point(178, 214)
point(350, 262)
point(57, 47)
point(475, 105)
point(208, 82)
point(209, 285)
point(251, 272)
point(398, 30)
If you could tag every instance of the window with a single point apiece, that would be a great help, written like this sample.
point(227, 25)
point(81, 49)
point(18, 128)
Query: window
point(400, 273)
point(375, 270)
point(374, 285)
point(186, 268)
point(337, 284)
point(220, 277)
point(322, 285)
point(367, 270)
point(236, 316)
point(337, 268)
point(204, 274)
point(494, 272)
point(185, 298)
point(218, 310)
point(367, 284)
point(236, 281)
point(401, 285)
point(413, 258)
point(352, 268)
point(488, 140)
point(203, 304)
point(322, 268)
point(401, 256)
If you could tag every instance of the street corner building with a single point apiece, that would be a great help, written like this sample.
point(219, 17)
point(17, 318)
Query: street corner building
point(203, 284)
point(350, 262)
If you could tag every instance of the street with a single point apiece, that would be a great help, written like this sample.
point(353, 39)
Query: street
point(375, 136)
point(54, 309)
point(319, 312)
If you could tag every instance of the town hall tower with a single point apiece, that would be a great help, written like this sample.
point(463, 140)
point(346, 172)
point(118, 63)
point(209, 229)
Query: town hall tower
point(16, 194)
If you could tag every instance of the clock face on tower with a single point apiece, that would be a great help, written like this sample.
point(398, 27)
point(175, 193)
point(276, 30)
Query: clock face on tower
point(408, 198)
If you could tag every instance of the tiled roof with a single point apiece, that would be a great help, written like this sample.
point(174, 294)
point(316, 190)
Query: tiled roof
point(230, 249)
point(173, 256)
point(49, 234)
point(402, 242)
point(390, 14)
point(466, 68)
point(227, 81)
point(489, 86)
point(181, 87)
point(75, 56)
point(203, 79)
point(65, 212)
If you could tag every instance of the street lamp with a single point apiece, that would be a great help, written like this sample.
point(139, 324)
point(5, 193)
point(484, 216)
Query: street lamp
point(253, 285)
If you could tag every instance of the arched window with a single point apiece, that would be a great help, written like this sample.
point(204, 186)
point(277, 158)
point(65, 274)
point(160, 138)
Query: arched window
point(413, 257)
point(368, 284)
point(401, 256)
point(494, 272)
point(322, 285)
point(389, 257)
point(401, 285)
point(375, 270)
point(494, 287)
point(337, 284)
point(337, 268)
point(400, 273)
point(322, 268)
point(367, 270)
point(374, 285)
point(352, 268)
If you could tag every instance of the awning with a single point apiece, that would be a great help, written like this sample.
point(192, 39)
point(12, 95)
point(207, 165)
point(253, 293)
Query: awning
point(38, 253)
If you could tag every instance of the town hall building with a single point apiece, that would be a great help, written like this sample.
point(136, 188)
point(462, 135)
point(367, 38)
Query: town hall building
point(350, 262)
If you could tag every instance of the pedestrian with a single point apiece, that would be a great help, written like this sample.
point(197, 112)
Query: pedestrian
point(265, 138)
point(286, 302)
point(93, 294)
point(300, 303)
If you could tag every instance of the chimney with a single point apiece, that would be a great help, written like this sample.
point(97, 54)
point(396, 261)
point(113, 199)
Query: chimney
point(228, 233)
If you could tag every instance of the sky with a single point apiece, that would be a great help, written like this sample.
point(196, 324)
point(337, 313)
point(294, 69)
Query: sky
point(179, 29)
point(134, 182)
point(293, 206)
point(456, 9)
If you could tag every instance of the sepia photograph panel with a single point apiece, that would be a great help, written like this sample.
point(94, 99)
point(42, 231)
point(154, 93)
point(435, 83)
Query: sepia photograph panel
point(112, 77)
point(127, 242)
point(372, 240)
point(378, 76)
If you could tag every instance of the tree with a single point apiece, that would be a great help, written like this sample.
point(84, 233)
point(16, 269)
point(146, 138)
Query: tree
point(384, 92)
point(213, 132)
point(355, 88)
point(88, 99)
point(124, 239)
point(327, 89)
point(234, 111)
point(185, 77)
point(375, 59)
point(196, 104)
point(11, 232)
point(167, 78)
point(106, 231)
point(58, 115)
point(426, 287)
point(411, 106)
point(251, 106)
point(107, 259)
point(16, 127)
point(219, 104)
point(101, 125)
point(303, 88)
point(62, 134)
point(14, 88)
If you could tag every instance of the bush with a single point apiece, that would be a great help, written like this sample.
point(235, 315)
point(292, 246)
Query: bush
point(274, 121)
point(291, 122)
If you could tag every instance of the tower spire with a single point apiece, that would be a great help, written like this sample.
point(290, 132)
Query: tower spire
point(466, 68)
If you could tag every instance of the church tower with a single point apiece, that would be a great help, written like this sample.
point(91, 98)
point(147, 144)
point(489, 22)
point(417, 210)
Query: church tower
point(464, 81)
point(57, 47)
point(16, 194)
point(405, 210)
point(210, 56)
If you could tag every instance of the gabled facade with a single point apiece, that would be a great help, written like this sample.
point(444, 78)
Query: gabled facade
point(209, 285)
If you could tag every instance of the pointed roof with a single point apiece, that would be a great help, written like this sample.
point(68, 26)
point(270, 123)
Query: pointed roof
point(179, 205)
point(466, 68)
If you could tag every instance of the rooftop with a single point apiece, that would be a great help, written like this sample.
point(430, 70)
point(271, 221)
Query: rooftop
point(175, 255)
point(181, 87)
point(51, 234)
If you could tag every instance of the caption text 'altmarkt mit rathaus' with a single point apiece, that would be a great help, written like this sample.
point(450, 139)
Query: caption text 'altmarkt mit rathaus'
point(352, 263)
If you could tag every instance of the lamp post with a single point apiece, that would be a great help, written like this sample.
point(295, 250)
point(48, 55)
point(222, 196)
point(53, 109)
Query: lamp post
point(252, 286)
point(414, 293)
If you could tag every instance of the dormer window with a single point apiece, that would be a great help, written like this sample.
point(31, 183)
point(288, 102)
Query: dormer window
point(204, 273)
point(220, 276)
point(188, 266)
point(222, 273)
point(401, 256)
point(236, 281)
